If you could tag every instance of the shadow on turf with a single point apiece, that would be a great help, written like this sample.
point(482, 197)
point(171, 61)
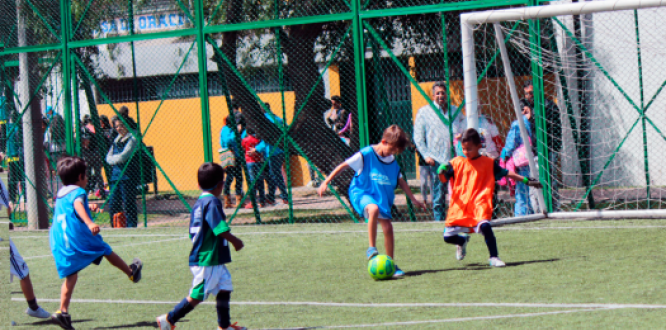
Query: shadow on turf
point(49, 322)
point(477, 266)
point(142, 324)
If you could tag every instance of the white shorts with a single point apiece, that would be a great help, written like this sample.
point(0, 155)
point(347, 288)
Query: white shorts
point(453, 231)
point(17, 267)
point(209, 280)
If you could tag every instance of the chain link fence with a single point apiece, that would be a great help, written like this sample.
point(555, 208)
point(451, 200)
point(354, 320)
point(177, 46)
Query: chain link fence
point(282, 91)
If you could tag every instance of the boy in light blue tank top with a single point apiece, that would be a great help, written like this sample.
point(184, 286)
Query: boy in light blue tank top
point(74, 237)
point(371, 192)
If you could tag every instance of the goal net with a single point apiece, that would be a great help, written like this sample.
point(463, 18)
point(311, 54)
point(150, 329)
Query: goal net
point(598, 125)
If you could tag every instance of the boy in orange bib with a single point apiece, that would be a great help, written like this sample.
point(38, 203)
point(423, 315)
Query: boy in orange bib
point(473, 183)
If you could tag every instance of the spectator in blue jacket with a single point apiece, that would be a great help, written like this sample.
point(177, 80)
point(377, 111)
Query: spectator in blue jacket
point(513, 141)
point(228, 141)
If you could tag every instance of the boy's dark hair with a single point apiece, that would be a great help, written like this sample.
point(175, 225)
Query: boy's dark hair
point(70, 169)
point(471, 135)
point(249, 131)
point(527, 83)
point(395, 136)
point(210, 175)
point(336, 98)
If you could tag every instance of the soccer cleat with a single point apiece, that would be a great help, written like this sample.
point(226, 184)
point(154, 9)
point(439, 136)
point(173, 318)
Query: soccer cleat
point(233, 327)
point(496, 262)
point(398, 272)
point(462, 249)
point(64, 320)
point(271, 203)
point(163, 323)
point(371, 253)
point(40, 313)
point(284, 201)
point(136, 267)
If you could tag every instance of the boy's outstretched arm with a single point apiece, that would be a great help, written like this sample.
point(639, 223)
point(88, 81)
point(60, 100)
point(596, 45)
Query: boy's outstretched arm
point(81, 212)
point(526, 180)
point(322, 188)
point(405, 187)
point(235, 241)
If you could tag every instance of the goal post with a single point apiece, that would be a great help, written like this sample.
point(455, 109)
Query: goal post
point(596, 71)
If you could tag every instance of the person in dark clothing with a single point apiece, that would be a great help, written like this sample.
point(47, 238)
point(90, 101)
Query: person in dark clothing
point(123, 198)
point(90, 153)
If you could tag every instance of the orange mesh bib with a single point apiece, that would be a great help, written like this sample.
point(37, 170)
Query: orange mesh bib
point(472, 188)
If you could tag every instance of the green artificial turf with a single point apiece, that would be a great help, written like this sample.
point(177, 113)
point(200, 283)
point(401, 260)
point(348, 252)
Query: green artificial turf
point(548, 262)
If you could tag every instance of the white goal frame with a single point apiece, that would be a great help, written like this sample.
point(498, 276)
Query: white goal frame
point(469, 20)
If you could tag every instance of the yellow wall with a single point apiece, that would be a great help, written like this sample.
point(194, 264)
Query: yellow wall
point(176, 137)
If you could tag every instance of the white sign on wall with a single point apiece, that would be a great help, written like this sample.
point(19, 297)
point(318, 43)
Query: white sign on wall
point(145, 23)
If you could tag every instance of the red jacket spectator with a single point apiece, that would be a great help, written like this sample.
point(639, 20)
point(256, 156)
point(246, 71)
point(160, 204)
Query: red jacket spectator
point(250, 142)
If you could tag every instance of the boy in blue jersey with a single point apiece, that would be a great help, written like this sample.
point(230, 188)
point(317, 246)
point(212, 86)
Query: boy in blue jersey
point(372, 189)
point(210, 235)
point(74, 237)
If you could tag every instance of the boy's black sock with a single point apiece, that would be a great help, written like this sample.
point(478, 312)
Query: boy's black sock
point(222, 305)
point(179, 311)
point(487, 231)
point(456, 239)
point(33, 304)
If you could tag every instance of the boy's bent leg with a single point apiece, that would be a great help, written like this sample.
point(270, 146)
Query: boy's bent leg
point(389, 240)
point(119, 263)
point(133, 271)
point(183, 308)
point(457, 236)
point(372, 213)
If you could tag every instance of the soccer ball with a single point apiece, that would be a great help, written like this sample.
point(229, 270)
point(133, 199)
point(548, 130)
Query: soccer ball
point(381, 267)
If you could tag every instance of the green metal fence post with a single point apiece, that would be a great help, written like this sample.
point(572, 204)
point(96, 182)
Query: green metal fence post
point(203, 82)
point(77, 111)
point(539, 106)
point(447, 78)
point(66, 72)
point(640, 85)
point(285, 144)
point(135, 96)
point(359, 66)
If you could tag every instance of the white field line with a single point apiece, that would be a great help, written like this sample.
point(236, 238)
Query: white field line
point(114, 247)
point(372, 305)
point(459, 319)
point(314, 232)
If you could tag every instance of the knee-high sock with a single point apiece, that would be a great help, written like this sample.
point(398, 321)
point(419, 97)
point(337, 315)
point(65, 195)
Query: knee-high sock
point(487, 231)
point(222, 306)
point(179, 311)
point(456, 239)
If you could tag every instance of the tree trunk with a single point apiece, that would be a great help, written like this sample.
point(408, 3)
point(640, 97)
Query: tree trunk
point(32, 136)
point(322, 146)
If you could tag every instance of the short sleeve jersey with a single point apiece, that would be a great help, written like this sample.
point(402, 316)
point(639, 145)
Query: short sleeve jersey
point(207, 221)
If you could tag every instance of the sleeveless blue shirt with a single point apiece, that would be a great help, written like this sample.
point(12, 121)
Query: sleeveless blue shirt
point(375, 185)
point(72, 243)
